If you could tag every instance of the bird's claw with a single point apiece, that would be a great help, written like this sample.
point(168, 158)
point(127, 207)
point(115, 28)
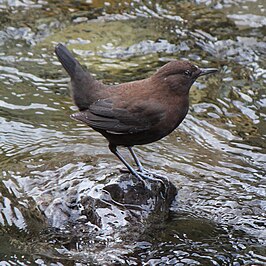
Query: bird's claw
point(144, 175)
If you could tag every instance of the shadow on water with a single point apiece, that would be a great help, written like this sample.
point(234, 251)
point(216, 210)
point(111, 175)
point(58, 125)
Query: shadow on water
point(55, 173)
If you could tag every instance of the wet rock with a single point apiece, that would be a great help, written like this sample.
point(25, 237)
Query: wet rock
point(107, 219)
point(129, 202)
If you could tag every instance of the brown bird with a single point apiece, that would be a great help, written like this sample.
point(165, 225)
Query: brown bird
point(132, 113)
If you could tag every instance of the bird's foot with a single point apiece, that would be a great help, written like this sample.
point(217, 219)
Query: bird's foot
point(136, 174)
point(149, 176)
point(144, 174)
point(152, 175)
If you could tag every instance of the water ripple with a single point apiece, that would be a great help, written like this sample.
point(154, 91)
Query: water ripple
point(217, 157)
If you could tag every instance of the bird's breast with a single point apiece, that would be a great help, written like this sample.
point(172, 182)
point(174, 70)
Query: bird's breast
point(174, 115)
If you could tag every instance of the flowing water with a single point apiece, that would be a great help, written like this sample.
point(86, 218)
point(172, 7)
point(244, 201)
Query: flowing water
point(216, 158)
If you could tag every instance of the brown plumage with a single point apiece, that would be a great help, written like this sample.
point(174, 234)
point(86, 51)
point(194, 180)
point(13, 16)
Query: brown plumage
point(133, 113)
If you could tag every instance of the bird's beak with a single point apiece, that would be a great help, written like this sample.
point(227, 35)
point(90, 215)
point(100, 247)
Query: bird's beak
point(206, 71)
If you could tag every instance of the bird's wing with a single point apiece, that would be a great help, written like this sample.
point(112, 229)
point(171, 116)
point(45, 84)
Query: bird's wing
point(102, 115)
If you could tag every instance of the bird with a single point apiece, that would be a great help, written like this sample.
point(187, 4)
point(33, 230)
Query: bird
point(132, 113)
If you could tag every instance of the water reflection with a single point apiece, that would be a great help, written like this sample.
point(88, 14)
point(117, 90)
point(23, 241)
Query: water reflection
point(216, 158)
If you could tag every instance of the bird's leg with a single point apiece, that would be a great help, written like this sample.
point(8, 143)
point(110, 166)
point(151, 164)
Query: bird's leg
point(114, 150)
point(136, 159)
point(141, 175)
point(143, 172)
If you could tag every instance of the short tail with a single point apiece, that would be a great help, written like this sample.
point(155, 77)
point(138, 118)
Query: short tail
point(70, 64)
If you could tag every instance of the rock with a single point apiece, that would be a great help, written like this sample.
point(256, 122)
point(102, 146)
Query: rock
point(101, 221)
point(128, 202)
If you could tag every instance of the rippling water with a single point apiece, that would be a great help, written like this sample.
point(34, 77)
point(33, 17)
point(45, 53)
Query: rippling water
point(216, 158)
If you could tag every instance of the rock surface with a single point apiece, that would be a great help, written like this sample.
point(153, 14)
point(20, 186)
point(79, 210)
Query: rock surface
point(112, 216)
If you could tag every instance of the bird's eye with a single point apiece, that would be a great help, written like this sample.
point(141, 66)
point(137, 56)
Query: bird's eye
point(188, 73)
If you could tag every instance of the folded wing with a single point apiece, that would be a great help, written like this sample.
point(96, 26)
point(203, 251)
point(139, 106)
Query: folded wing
point(102, 115)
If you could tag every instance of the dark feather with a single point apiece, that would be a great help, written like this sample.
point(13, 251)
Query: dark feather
point(103, 116)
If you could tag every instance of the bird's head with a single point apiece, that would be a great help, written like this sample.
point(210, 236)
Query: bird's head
point(180, 75)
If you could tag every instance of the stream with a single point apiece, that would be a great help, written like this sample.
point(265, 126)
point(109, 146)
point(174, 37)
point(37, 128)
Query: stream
point(216, 158)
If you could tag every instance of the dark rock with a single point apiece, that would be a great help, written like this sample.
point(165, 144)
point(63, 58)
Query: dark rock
point(128, 202)
point(105, 220)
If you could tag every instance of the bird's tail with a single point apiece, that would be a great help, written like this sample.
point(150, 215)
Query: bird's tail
point(70, 64)
point(84, 87)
